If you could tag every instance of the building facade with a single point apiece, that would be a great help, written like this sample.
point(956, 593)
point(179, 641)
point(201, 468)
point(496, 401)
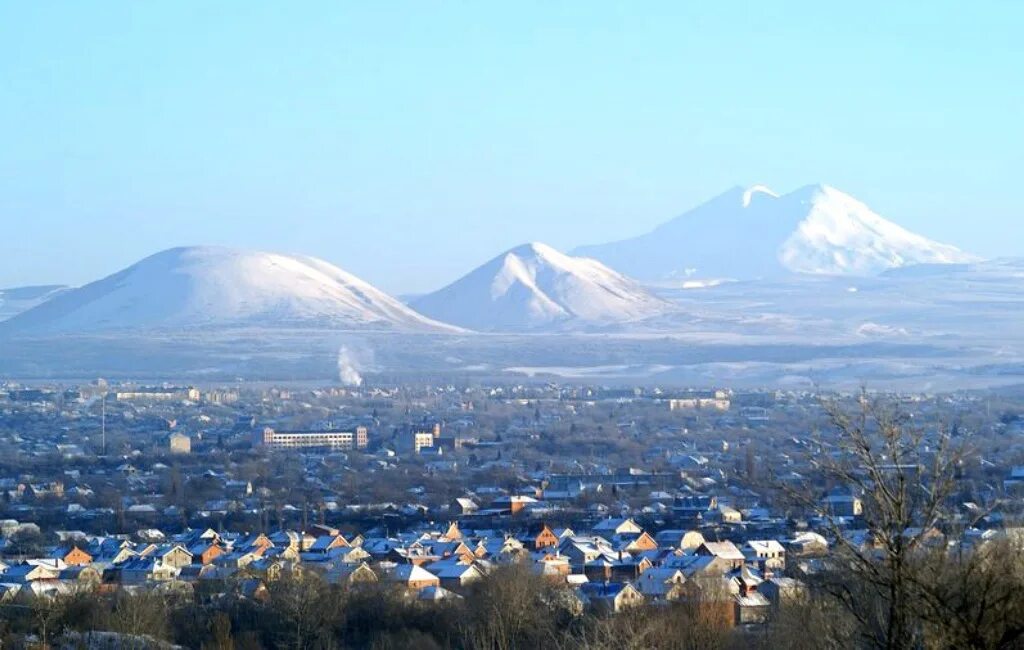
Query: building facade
point(357, 439)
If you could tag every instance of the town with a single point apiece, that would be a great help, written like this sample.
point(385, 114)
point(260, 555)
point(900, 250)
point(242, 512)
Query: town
point(719, 511)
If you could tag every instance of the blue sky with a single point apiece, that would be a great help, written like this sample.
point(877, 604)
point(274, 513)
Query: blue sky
point(408, 142)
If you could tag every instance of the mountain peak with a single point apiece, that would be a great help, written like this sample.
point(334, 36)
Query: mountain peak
point(534, 249)
point(211, 286)
point(756, 233)
point(819, 190)
point(534, 286)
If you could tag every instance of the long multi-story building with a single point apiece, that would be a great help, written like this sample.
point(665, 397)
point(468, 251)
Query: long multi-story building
point(157, 394)
point(718, 400)
point(357, 439)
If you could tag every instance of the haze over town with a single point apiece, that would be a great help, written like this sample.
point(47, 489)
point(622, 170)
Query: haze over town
point(581, 326)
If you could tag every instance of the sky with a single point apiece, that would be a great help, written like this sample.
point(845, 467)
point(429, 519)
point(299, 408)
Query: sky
point(408, 142)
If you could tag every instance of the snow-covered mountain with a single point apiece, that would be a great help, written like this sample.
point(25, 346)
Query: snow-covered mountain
point(756, 233)
point(535, 286)
point(198, 287)
point(15, 300)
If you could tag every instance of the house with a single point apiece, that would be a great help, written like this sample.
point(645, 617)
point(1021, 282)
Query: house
point(581, 550)
point(351, 574)
point(694, 508)
point(540, 536)
point(725, 551)
point(724, 514)
point(767, 555)
point(322, 530)
point(600, 569)
point(661, 583)
point(179, 443)
point(808, 544)
point(685, 540)
point(513, 503)
point(174, 555)
point(272, 569)
point(326, 543)
point(744, 580)
point(287, 539)
point(630, 567)
point(151, 535)
point(841, 503)
point(141, 570)
point(110, 550)
point(349, 555)
point(35, 590)
point(234, 560)
point(257, 543)
point(698, 566)
point(205, 551)
point(455, 575)
point(444, 550)
point(752, 608)
point(611, 597)
point(613, 526)
point(780, 590)
point(551, 565)
point(72, 555)
point(452, 532)
point(635, 544)
point(82, 575)
point(27, 572)
point(412, 577)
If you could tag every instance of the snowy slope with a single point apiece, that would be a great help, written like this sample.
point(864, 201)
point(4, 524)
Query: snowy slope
point(15, 300)
point(756, 233)
point(213, 287)
point(535, 286)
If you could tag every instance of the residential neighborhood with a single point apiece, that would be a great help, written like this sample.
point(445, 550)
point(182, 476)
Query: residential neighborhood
point(429, 492)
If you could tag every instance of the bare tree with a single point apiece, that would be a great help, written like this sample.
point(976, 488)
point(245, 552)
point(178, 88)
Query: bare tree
point(142, 614)
point(513, 608)
point(47, 615)
point(305, 609)
point(904, 477)
point(975, 598)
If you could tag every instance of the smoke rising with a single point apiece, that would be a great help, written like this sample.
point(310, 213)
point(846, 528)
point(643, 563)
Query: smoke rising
point(350, 361)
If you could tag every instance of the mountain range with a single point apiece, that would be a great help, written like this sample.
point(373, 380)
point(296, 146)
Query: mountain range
point(756, 233)
point(743, 234)
point(15, 300)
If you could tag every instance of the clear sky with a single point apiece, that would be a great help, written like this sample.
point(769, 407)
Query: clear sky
point(410, 141)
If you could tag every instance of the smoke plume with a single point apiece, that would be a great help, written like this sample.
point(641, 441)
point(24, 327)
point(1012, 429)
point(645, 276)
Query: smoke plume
point(348, 367)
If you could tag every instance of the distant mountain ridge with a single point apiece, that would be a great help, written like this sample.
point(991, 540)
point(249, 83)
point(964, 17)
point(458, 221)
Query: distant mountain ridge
point(15, 300)
point(756, 233)
point(535, 286)
point(206, 286)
